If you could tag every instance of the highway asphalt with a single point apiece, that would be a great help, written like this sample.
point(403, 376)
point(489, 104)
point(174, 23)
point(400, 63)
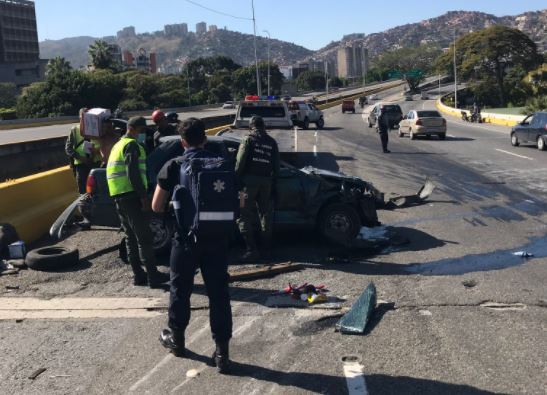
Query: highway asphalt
point(458, 312)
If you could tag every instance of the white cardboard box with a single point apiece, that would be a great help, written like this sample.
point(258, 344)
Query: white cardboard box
point(93, 120)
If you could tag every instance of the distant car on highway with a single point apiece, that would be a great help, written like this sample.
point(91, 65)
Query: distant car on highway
point(393, 111)
point(348, 105)
point(286, 98)
point(303, 113)
point(408, 97)
point(275, 113)
point(424, 95)
point(533, 129)
point(423, 123)
point(374, 96)
point(229, 105)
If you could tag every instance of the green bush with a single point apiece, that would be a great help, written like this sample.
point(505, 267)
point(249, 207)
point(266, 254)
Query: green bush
point(536, 104)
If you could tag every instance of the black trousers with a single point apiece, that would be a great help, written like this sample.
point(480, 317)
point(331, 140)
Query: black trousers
point(384, 138)
point(211, 258)
point(81, 172)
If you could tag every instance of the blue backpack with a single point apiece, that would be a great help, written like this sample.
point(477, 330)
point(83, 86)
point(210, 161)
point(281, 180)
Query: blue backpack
point(206, 199)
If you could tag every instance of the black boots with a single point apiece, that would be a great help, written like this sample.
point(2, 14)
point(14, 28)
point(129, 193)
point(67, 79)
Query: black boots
point(174, 341)
point(221, 358)
point(157, 279)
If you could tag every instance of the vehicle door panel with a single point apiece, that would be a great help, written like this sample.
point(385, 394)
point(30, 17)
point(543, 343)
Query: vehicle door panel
point(534, 128)
point(522, 130)
point(291, 196)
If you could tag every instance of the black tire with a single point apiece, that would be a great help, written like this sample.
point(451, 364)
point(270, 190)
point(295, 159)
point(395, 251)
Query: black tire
point(320, 123)
point(442, 136)
point(339, 223)
point(514, 140)
point(306, 124)
point(52, 258)
point(163, 230)
point(541, 144)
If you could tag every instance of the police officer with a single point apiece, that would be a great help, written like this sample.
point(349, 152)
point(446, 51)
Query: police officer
point(188, 253)
point(127, 184)
point(383, 129)
point(257, 168)
point(83, 153)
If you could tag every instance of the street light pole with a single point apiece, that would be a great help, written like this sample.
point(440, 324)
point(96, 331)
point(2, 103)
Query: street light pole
point(269, 39)
point(455, 74)
point(327, 80)
point(258, 91)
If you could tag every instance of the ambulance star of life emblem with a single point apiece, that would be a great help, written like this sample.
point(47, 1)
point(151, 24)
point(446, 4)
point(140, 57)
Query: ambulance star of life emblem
point(219, 186)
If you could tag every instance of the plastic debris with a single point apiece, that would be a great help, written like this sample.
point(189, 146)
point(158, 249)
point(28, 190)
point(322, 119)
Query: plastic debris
point(355, 320)
point(37, 373)
point(523, 254)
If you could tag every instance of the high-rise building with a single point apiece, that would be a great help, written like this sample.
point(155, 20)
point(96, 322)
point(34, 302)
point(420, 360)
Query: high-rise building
point(19, 51)
point(127, 32)
point(201, 28)
point(213, 28)
point(353, 61)
point(176, 30)
point(18, 33)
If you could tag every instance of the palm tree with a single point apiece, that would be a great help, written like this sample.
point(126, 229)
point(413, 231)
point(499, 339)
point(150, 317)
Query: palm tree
point(57, 66)
point(100, 53)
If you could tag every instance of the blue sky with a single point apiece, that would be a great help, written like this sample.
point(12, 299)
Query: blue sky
point(311, 23)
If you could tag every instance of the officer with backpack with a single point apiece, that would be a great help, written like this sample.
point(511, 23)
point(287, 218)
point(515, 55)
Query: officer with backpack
point(257, 168)
point(204, 197)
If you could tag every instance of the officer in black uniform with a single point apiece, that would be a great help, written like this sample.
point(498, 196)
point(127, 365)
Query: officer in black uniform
point(187, 254)
point(383, 129)
point(257, 169)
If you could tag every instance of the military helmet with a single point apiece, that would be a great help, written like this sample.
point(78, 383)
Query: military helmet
point(256, 122)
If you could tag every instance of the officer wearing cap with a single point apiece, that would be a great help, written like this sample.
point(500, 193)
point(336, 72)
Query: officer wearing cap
point(257, 168)
point(128, 184)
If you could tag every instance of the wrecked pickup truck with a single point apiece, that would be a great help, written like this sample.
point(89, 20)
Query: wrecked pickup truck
point(309, 199)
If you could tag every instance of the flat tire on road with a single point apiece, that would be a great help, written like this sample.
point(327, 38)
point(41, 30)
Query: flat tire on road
point(52, 258)
point(514, 140)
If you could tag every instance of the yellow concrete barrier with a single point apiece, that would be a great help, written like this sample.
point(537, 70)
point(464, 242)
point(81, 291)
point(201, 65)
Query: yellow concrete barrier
point(495, 119)
point(32, 203)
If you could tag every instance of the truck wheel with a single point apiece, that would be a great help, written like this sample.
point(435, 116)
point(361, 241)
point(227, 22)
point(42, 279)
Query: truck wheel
point(52, 258)
point(306, 124)
point(162, 232)
point(320, 123)
point(339, 223)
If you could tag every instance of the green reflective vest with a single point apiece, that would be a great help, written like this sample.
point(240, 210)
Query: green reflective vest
point(79, 146)
point(116, 169)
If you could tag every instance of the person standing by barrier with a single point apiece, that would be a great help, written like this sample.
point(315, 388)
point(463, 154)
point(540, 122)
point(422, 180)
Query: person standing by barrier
point(128, 184)
point(257, 169)
point(83, 153)
point(204, 197)
point(383, 129)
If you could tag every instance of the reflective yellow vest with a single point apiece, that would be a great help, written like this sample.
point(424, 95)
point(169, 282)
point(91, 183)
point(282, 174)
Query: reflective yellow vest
point(116, 169)
point(79, 146)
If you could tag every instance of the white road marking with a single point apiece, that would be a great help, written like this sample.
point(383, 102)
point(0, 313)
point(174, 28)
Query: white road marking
point(355, 379)
point(510, 153)
point(238, 331)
